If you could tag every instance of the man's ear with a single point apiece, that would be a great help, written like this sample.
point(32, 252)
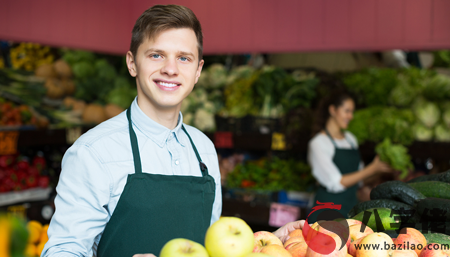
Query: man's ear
point(199, 70)
point(131, 64)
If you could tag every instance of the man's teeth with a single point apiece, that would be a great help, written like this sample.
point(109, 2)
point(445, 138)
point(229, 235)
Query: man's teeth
point(167, 84)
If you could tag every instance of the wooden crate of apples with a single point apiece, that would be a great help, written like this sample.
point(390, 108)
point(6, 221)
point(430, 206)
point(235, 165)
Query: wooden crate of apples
point(232, 237)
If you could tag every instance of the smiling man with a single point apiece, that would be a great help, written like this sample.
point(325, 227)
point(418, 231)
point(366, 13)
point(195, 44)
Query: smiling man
point(142, 178)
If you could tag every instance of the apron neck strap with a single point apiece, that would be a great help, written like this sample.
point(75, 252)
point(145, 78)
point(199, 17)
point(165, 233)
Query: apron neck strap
point(203, 167)
point(134, 145)
point(137, 156)
point(334, 143)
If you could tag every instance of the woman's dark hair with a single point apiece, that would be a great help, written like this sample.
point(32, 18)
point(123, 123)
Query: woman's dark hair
point(322, 114)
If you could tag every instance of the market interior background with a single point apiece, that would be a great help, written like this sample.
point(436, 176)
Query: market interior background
point(267, 65)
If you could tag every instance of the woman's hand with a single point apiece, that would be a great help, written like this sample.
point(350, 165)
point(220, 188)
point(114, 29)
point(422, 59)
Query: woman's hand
point(379, 166)
point(283, 232)
point(144, 255)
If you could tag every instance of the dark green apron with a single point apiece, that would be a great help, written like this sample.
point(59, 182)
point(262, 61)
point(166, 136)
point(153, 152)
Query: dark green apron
point(347, 161)
point(154, 209)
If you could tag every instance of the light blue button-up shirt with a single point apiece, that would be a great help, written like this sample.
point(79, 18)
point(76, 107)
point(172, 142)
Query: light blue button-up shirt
point(95, 169)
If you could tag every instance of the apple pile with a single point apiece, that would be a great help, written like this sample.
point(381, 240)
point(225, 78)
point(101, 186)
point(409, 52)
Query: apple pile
point(232, 237)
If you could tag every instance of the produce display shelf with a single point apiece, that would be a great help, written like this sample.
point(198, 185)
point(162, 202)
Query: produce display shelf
point(33, 194)
point(241, 141)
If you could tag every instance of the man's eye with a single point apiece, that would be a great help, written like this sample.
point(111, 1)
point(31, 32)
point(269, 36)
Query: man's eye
point(156, 56)
point(184, 59)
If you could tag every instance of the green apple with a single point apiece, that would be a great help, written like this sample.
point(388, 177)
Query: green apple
point(180, 247)
point(229, 236)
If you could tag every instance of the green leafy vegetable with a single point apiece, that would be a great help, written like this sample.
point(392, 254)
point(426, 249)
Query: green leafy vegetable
point(427, 112)
point(376, 123)
point(422, 133)
point(372, 86)
point(442, 133)
point(395, 155)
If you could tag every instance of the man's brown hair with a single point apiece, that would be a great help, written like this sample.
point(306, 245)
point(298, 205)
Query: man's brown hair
point(163, 17)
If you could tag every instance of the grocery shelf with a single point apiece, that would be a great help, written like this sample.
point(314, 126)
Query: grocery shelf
point(33, 194)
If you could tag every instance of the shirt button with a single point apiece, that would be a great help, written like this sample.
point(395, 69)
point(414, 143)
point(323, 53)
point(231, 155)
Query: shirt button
point(177, 162)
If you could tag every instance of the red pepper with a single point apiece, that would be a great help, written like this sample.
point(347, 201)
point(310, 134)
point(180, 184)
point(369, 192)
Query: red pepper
point(247, 183)
point(39, 162)
point(32, 182)
point(9, 184)
point(33, 171)
point(6, 160)
point(22, 178)
point(44, 181)
point(23, 165)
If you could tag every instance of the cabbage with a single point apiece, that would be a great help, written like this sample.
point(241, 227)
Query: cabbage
point(427, 112)
point(442, 133)
point(437, 88)
point(217, 76)
point(446, 115)
point(422, 133)
point(404, 93)
point(204, 120)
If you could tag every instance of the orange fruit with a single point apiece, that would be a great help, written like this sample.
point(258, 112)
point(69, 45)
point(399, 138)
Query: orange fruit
point(40, 248)
point(35, 230)
point(44, 236)
point(30, 251)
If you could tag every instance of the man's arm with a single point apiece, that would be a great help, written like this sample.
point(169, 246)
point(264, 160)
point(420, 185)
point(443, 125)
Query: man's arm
point(83, 193)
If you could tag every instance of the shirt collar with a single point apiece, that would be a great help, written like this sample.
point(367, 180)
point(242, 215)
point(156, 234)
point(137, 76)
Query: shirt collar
point(152, 129)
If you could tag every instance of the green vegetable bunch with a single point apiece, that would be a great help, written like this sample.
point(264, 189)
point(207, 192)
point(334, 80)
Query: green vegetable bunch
point(372, 86)
point(395, 155)
point(376, 123)
point(274, 174)
point(98, 80)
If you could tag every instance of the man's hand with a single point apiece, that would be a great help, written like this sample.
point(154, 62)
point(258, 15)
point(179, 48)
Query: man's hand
point(144, 255)
point(283, 232)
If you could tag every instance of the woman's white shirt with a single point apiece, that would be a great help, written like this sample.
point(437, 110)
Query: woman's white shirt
point(321, 151)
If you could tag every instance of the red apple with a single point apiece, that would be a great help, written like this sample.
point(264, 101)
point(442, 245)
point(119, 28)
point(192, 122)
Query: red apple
point(324, 244)
point(275, 251)
point(295, 239)
point(297, 232)
point(402, 253)
point(352, 248)
point(411, 238)
point(263, 239)
point(297, 249)
point(379, 240)
point(434, 250)
point(335, 228)
point(355, 229)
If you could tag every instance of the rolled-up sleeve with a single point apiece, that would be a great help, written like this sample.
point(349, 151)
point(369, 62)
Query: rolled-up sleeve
point(320, 156)
point(83, 193)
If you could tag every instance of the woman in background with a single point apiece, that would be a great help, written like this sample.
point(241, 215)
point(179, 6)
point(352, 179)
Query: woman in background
point(334, 157)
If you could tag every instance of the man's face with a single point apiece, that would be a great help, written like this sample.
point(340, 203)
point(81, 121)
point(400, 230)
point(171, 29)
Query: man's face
point(166, 68)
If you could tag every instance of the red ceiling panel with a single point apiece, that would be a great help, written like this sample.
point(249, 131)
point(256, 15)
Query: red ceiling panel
point(440, 20)
point(238, 26)
point(389, 22)
point(417, 26)
point(362, 21)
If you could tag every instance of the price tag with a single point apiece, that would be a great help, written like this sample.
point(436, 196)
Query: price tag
point(280, 214)
point(278, 142)
point(72, 134)
point(223, 140)
point(8, 142)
